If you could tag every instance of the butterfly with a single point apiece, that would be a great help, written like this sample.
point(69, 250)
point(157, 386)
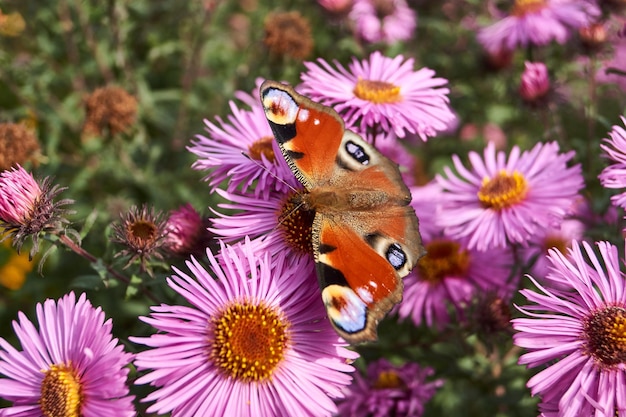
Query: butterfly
point(365, 235)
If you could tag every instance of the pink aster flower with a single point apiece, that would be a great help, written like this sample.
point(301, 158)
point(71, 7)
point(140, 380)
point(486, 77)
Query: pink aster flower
point(382, 93)
point(277, 223)
point(614, 176)
point(27, 207)
point(254, 342)
point(71, 366)
point(383, 21)
point(538, 22)
point(450, 274)
point(241, 151)
point(502, 201)
point(390, 390)
point(577, 334)
point(571, 230)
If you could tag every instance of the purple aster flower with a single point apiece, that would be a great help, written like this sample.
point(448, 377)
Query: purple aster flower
point(538, 22)
point(383, 21)
point(614, 176)
point(390, 390)
point(383, 94)
point(72, 366)
point(254, 342)
point(27, 208)
point(241, 151)
point(502, 200)
point(577, 334)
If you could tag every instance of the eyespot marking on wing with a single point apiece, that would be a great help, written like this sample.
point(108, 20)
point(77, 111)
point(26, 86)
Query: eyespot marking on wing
point(280, 107)
point(357, 152)
point(396, 256)
point(345, 309)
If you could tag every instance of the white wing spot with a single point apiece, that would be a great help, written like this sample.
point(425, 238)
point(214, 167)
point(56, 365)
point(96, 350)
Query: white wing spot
point(303, 115)
point(365, 294)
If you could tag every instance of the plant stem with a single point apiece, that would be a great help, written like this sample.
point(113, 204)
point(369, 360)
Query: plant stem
point(92, 259)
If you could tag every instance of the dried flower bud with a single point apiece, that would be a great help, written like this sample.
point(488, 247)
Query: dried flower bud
point(142, 231)
point(27, 208)
point(17, 145)
point(187, 232)
point(535, 83)
point(288, 34)
point(109, 108)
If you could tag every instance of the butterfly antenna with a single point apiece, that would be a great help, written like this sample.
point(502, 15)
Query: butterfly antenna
point(276, 177)
point(284, 216)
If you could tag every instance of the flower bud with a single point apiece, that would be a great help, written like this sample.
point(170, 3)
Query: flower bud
point(535, 83)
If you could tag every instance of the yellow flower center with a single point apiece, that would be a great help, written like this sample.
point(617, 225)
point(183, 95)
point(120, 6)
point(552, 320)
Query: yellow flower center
point(605, 334)
point(61, 392)
point(249, 341)
point(522, 7)
point(263, 147)
point(388, 379)
point(378, 92)
point(296, 224)
point(503, 190)
point(444, 258)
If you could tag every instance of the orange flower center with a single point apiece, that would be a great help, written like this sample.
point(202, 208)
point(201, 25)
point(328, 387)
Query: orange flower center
point(296, 224)
point(388, 379)
point(378, 92)
point(444, 258)
point(61, 392)
point(263, 147)
point(522, 7)
point(249, 341)
point(503, 190)
point(605, 334)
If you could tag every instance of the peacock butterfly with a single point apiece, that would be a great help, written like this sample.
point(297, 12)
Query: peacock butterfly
point(365, 234)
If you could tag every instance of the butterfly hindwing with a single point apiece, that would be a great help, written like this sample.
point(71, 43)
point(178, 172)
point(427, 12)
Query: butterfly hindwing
point(360, 265)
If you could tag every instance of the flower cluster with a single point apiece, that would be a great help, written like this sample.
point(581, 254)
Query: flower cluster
point(231, 320)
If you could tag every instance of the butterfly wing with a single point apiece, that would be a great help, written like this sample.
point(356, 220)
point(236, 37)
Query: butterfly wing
point(369, 241)
point(360, 263)
point(308, 133)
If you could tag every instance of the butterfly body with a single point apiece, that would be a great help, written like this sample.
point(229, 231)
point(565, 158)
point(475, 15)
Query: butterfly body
point(365, 235)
